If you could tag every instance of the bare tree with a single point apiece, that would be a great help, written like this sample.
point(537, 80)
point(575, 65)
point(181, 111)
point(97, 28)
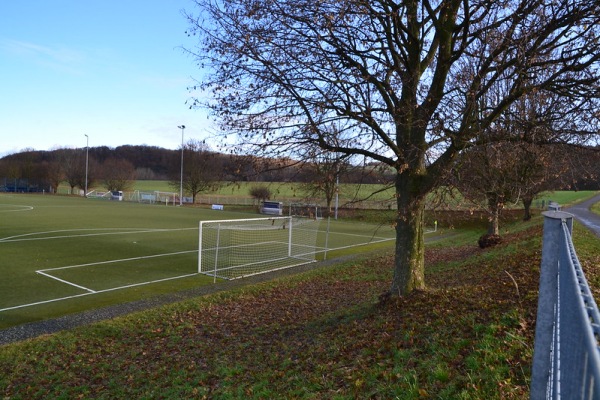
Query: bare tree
point(507, 165)
point(73, 163)
point(201, 171)
point(55, 174)
point(391, 76)
point(488, 176)
point(11, 170)
point(324, 169)
point(538, 169)
point(117, 174)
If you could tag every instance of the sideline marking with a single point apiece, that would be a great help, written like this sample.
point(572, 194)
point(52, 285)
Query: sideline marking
point(117, 260)
point(23, 208)
point(90, 291)
point(64, 281)
point(99, 291)
point(120, 231)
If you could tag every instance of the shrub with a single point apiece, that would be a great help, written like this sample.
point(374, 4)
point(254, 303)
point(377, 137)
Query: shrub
point(260, 192)
point(489, 240)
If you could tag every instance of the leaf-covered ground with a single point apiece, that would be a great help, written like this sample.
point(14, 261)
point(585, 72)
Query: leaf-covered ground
point(321, 335)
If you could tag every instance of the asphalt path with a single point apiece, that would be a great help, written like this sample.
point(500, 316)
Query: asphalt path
point(581, 212)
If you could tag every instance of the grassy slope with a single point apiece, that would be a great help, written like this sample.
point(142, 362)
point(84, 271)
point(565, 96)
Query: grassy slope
point(317, 335)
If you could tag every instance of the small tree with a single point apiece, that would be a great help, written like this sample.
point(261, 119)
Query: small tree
point(260, 193)
point(200, 170)
point(117, 174)
point(74, 165)
point(487, 176)
point(55, 174)
point(324, 170)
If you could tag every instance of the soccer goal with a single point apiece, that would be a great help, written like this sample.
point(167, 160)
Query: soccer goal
point(168, 198)
point(314, 211)
point(231, 249)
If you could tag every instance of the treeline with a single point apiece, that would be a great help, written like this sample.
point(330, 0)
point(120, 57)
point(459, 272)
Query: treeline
point(33, 170)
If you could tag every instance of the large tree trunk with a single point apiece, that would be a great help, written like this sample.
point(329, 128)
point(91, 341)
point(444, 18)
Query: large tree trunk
point(409, 267)
point(495, 206)
point(527, 206)
point(494, 226)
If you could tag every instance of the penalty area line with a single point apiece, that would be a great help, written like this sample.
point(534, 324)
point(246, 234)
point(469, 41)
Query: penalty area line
point(38, 303)
point(93, 292)
point(119, 260)
point(65, 281)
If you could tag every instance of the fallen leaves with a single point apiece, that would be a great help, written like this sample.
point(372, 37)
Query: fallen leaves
point(317, 336)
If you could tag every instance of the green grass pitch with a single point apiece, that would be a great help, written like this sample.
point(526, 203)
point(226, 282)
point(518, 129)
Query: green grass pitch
point(60, 255)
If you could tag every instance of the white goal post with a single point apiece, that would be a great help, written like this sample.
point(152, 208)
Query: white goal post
point(314, 211)
point(236, 248)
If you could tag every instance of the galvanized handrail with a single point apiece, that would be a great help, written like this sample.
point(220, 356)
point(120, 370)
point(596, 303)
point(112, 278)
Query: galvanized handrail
point(566, 360)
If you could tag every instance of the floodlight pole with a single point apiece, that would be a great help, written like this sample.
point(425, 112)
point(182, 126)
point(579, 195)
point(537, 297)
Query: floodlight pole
point(337, 192)
point(87, 152)
point(337, 184)
point(182, 127)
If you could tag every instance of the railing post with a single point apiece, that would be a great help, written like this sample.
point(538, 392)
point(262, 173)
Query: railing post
point(542, 355)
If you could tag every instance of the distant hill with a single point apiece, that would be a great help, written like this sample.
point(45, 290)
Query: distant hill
point(34, 170)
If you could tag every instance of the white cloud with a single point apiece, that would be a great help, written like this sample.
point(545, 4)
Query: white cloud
point(58, 57)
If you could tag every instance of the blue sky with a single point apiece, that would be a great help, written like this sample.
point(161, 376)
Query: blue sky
point(111, 69)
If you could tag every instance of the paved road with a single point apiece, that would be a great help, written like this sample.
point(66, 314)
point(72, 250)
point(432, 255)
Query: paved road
point(582, 213)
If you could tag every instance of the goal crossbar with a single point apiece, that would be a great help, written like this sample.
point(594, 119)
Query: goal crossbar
point(236, 248)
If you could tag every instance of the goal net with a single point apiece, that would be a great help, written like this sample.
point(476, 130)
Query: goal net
point(231, 249)
point(313, 211)
point(168, 198)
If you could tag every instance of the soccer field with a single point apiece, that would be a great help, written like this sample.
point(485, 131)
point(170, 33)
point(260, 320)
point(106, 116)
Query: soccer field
point(61, 254)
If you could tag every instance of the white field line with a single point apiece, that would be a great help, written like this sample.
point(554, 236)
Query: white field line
point(119, 231)
point(357, 235)
point(22, 208)
point(379, 240)
point(116, 261)
point(355, 245)
point(44, 272)
point(96, 292)
point(304, 262)
point(90, 291)
point(67, 282)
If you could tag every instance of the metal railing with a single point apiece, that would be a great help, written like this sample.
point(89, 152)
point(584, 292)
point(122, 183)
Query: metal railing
point(566, 359)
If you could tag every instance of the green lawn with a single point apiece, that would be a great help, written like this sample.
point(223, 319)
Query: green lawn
point(65, 254)
point(68, 254)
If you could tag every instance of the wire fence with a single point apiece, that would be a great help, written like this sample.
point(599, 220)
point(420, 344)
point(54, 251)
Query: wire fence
point(566, 360)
